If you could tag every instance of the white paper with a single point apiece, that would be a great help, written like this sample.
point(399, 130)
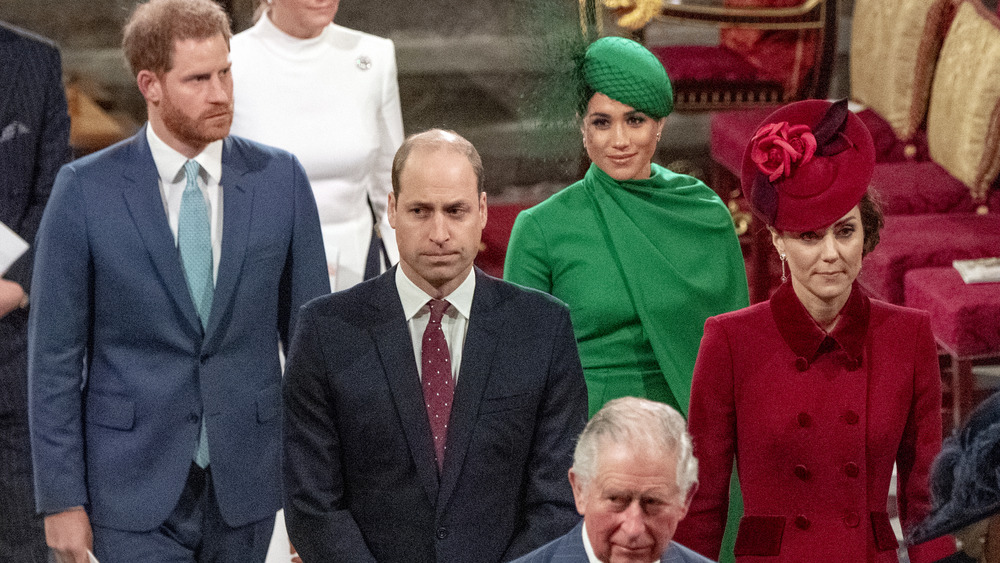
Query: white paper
point(11, 248)
point(979, 270)
point(91, 558)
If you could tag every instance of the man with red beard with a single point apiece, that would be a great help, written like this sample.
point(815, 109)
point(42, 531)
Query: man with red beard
point(167, 269)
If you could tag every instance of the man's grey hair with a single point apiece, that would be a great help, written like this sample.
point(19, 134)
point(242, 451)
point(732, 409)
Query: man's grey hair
point(639, 424)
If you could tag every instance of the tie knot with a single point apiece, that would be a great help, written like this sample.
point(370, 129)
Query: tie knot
point(437, 307)
point(191, 169)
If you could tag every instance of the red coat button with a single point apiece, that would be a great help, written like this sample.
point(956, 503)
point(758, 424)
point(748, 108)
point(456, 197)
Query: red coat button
point(805, 421)
point(851, 417)
point(802, 523)
point(851, 469)
point(801, 364)
point(852, 364)
point(851, 520)
point(802, 472)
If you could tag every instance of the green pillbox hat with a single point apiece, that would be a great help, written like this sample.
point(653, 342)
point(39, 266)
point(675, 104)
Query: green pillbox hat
point(625, 71)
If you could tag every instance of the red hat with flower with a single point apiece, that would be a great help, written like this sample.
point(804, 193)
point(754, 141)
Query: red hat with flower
point(809, 163)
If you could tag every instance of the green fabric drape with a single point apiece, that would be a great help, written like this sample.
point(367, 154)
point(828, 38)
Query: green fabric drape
point(641, 264)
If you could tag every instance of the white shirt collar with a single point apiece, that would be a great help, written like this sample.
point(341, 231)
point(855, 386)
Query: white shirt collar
point(413, 298)
point(170, 163)
point(591, 558)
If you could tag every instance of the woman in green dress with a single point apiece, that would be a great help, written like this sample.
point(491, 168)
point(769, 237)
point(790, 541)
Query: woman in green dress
point(641, 255)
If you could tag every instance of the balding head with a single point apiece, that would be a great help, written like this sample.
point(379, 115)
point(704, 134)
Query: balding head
point(436, 140)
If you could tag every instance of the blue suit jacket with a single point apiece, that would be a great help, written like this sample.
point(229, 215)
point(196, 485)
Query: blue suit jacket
point(34, 143)
point(361, 480)
point(569, 549)
point(120, 371)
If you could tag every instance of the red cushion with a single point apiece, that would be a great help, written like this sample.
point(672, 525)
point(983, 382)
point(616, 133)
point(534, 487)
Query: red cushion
point(923, 241)
point(704, 64)
point(965, 317)
point(919, 187)
point(731, 132)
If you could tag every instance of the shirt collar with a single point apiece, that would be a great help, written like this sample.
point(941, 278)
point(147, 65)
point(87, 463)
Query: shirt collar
point(806, 338)
point(414, 299)
point(170, 163)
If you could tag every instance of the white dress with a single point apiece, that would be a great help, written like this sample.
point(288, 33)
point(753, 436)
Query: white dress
point(333, 101)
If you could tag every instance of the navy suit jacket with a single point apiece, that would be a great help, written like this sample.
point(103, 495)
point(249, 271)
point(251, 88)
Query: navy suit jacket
point(120, 371)
point(34, 143)
point(569, 549)
point(361, 480)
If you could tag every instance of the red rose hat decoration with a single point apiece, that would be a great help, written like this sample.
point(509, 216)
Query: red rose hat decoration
point(809, 163)
point(777, 147)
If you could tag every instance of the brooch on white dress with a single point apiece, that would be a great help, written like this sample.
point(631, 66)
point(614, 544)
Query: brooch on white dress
point(363, 62)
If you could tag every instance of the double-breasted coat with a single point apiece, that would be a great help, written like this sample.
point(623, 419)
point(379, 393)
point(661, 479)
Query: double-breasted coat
point(815, 422)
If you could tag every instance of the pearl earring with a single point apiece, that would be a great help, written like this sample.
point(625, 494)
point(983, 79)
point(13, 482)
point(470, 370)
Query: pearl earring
point(784, 277)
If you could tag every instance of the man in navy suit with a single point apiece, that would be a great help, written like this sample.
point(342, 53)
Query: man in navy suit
point(34, 143)
point(633, 478)
point(168, 268)
point(430, 412)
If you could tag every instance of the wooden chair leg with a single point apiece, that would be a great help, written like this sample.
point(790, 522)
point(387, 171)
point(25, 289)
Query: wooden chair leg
point(963, 390)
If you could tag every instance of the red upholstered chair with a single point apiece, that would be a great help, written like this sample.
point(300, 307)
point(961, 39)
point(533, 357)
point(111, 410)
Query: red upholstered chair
point(770, 52)
point(953, 191)
point(965, 319)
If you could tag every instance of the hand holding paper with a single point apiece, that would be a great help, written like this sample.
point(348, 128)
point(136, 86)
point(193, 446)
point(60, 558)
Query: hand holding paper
point(11, 248)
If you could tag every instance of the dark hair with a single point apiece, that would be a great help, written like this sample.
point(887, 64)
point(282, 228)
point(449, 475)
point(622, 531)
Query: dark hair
point(436, 139)
point(150, 32)
point(872, 219)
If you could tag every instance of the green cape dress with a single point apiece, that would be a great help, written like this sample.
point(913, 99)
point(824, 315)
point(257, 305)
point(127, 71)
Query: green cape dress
point(641, 264)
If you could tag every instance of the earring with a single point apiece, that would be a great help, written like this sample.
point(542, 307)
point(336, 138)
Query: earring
point(784, 277)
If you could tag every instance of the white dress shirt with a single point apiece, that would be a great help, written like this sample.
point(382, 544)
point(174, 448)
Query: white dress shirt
point(454, 323)
point(170, 167)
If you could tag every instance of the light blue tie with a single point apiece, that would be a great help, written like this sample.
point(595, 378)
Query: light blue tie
point(194, 239)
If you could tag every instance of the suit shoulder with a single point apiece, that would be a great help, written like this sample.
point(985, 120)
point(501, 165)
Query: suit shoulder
point(254, 149)
point(26, 39)
point(348, 303)
point(563, 548)
point(256, 155)
point(99, 161)
point(677, 553)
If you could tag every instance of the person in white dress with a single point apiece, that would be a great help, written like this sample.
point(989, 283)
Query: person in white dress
point(329, 95)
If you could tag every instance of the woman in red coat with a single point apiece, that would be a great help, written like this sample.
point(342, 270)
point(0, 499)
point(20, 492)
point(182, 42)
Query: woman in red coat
point(819, 391)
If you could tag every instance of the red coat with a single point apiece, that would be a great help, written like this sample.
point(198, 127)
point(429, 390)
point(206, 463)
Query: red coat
point(815, 423)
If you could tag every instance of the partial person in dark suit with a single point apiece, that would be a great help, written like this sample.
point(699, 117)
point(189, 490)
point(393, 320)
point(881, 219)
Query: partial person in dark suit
point(380, 463)
point(168, 268)
point(633, 478)
point(34, 143)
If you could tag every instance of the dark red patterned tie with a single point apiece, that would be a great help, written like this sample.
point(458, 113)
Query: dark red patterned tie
point(436, 373)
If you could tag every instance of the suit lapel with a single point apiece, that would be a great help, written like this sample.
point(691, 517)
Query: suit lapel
point(142, 197)
point(395, 350)
point(237, 205)
point(486, 323)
